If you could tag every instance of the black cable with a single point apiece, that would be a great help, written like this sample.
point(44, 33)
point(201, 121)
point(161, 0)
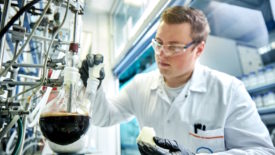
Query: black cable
point(17, 16)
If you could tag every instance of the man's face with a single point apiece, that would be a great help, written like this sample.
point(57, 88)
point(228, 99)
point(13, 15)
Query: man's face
point(182, 63)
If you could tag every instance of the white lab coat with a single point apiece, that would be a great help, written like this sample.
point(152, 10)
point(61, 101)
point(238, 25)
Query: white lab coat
point(214, 99)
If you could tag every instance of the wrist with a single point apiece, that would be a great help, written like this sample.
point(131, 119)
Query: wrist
point(92, 84)
point(95, 71)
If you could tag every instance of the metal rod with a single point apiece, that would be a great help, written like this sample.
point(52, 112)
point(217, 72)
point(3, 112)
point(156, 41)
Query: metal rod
point(24, 123)
point(24, 65)
point(29, 38)
point(37, 87)
point(69, 106)
point(13, 76)
point(19, 83)
point(4, 17)
point(7, 4)
point(23, 92)
point(75, 22)
point(49, 39)
point(14, 72)
point(28, 77)
point(45, 38)
point(22, 17)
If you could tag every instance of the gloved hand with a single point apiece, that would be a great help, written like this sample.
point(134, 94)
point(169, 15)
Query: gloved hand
point(164, 147)
point(92, 66)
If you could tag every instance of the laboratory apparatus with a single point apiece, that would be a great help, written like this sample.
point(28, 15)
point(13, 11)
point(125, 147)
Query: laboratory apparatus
point(42, 95)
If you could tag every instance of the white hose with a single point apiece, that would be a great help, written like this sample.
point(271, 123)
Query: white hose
point(54, 75)
point(10, 142)
point(32, 138)
point(38, 105)
point(28, 146)
point(33, 118)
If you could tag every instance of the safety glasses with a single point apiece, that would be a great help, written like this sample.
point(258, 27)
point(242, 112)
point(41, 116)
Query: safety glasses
point(170, 50)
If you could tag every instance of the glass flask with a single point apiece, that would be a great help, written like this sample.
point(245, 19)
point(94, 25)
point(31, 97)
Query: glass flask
point(65, 118)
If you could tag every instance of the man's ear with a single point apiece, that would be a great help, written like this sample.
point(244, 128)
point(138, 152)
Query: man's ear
point(200, 48)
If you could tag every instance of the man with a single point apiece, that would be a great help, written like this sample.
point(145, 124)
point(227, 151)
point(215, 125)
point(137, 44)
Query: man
point(192, 108)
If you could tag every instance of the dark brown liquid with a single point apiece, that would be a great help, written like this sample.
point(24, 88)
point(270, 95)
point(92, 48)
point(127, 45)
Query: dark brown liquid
point(64, 128)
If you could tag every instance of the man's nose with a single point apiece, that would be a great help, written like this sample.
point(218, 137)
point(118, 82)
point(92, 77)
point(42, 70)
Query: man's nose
point(162, 52)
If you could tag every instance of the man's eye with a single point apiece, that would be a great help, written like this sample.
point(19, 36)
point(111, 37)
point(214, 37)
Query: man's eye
point(174, 48)
point(158, 45)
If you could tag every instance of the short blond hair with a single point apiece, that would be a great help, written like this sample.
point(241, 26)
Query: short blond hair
point(196, 18)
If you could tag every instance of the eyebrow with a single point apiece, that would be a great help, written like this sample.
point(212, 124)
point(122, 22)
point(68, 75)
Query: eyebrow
point(170, 42)
point(174, 42)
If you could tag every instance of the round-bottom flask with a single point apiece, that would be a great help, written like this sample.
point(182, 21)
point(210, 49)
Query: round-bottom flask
point(74, 147)
point(65, 119)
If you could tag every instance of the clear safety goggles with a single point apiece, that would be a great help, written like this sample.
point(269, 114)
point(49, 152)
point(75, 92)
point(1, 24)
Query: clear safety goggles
point(170, 50)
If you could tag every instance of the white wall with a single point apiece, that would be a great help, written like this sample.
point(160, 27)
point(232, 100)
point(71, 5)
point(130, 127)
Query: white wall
point(222, 54)
point(108, 138)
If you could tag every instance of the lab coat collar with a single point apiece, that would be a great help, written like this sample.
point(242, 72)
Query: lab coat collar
point(198, 79)
point(157, 82)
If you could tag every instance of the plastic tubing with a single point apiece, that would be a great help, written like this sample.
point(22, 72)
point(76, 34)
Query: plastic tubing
point(32, 138)
point(9, 126)
point(10, 142)
point(29, 145)
point(35, 114)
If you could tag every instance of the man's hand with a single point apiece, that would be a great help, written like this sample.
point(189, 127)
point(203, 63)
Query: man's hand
point(164, 147)
point(92, 66)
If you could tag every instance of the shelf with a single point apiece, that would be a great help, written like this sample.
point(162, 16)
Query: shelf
point(267, 110)
point(262, 89)
point(267, 115)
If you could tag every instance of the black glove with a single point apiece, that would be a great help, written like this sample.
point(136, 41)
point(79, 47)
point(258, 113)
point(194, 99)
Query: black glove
point(164, 147)
point(92, 60)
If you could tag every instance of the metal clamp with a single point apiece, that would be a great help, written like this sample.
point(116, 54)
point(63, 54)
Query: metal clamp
point(18, 33)
point(53, 82)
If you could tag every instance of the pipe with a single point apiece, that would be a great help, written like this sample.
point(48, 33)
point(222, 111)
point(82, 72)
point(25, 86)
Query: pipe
point(34, 116)
point(10, 142)
point(29, 38)
point(48, 39)
point(5, 29)
point(24, 65)
point(7, 4)
point(13, 75)
point(69, 106)
point(18, 83)
point(28, 77)
point(19, 139)
point(37, 87)
point(10, 125)
point(32, 144)
point(75, 22)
